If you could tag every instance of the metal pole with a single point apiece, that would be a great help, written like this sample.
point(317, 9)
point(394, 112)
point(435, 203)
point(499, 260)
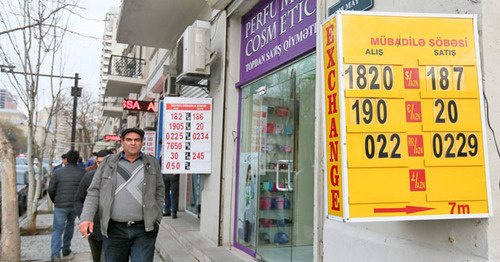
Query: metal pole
point(75, 103)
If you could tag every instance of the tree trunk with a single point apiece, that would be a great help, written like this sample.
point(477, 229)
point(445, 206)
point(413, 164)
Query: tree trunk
point(11, 240)
point(50, 206)
point(31, 211)
point(38, 185)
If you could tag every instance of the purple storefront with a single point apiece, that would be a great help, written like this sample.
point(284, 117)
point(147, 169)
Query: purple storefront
point(275, 189)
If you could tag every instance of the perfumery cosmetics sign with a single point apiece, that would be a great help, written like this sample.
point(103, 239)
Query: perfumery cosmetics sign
point(274, 33)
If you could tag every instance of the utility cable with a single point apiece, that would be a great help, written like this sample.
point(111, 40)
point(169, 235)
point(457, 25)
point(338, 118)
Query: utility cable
point(489, 123)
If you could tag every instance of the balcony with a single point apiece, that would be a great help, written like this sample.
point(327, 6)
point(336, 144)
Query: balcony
point(158, 23)
point(124, 76)
point(113, 108)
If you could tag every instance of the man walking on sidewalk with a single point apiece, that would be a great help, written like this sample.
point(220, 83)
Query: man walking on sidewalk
point(62, 189)
point(128, 191)
point(95, 240)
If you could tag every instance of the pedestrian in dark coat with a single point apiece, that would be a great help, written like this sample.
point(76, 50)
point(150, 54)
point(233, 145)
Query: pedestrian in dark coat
point(95, 239)
point(62, 188)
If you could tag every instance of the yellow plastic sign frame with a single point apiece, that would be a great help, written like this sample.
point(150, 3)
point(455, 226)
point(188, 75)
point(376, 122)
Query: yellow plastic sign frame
point(404, 121)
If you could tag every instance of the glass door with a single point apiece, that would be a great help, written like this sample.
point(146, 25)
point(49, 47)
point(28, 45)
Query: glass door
point(275, 184)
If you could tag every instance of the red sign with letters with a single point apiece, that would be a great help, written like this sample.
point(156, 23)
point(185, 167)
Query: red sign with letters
point(412, 80)
point(415, 145)
point(413, 111)
point(112, 137)
point(139, 105)
point(417, 180)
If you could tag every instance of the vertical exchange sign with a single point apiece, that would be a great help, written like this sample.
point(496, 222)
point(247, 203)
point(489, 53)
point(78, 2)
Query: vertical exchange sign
point(275, 32)
point(187, 135)
point(332, 119)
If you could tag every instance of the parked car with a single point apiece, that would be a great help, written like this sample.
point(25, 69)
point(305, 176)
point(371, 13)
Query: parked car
point(21, 161)
point(22, 165)
point(22, 190)
point(0, 203)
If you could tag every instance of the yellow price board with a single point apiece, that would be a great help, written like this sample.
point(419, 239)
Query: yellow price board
point(403, 117)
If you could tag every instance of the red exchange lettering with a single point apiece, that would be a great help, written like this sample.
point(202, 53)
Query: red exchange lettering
point(334, 175)
point(334, 152)
point(336, 200)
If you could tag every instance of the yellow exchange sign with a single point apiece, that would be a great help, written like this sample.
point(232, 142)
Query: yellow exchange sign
point(404, 120)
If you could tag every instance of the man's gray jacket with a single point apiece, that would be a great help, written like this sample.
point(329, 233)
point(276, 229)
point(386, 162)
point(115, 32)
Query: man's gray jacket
point(101, 193)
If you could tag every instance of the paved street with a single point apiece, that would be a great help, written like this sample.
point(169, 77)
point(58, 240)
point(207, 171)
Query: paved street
point(37, 248)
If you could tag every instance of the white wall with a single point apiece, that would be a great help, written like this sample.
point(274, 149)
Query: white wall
point(439, 240)
point(490, 45)
point(231, 128)
point(211, 193)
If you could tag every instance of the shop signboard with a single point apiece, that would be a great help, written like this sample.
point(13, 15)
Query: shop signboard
point(137, 105)
point(160, 131)
point(355, 5)
point(148, 147)
point(274, 33)
point(187, 135)
point(404, 117)
point(112, 137)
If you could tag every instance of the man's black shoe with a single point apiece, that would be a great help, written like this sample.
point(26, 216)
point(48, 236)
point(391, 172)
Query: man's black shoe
point(174, 215)
point(166, 214)
point(66, 252)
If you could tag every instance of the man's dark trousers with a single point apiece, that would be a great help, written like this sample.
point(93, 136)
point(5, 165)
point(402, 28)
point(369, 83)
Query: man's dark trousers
point(96, 248)
point(125, 238)
point(171, 184)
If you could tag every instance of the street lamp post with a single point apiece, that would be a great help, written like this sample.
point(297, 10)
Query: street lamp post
point(75, 92)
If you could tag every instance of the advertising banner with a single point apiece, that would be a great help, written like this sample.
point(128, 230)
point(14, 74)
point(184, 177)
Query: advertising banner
point(274, 33)
point(411, 139)
point(148, 146)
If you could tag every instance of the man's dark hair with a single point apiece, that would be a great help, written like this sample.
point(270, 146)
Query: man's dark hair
point(64, 156)
point(94, 153)
point(72, 156)
point(103, 153)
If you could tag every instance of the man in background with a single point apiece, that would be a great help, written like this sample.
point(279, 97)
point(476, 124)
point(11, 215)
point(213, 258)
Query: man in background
point(90, 161)
point(171, 182)
point(62, 189)
point(95, 239)
point(80, 163)
point(64, 162)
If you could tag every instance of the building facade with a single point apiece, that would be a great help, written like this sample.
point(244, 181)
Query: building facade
point(111, 106)
point(62, 133)
point(7, 100)
point(266, 195)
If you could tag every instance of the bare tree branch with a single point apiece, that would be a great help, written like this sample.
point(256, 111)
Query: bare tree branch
point(79, 34)
point(34, 33)
point(40, 21)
